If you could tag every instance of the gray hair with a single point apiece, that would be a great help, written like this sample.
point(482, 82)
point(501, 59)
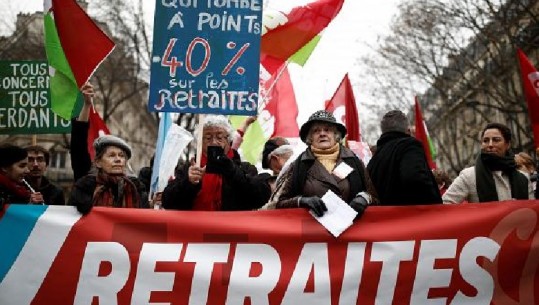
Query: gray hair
point(222, 122)
point(394, 120)
point(282, 151)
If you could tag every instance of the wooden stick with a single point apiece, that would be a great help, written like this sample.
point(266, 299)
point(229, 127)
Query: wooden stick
point(200, 128)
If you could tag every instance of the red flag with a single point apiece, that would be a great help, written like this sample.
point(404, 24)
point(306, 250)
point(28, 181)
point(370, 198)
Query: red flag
point(96, 129)
point(422, 135)
point(282, 105)
point(85, 45)
point(530, 81)
point(299, 26)
point(343, 106)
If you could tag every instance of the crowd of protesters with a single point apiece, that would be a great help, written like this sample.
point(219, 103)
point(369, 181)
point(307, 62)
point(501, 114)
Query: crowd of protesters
point(398, 173)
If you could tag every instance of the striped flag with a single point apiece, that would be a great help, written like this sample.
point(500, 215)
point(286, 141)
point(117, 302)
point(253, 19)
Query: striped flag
point(75, 47)
point(284, 34)
point(164, 126)
point(286, 39)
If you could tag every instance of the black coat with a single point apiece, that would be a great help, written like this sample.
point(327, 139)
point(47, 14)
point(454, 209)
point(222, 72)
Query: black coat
point(52, 195)
point(81, 162)
point(83, 193)
point(241, 191)
point(400, 172)
point(8, 197)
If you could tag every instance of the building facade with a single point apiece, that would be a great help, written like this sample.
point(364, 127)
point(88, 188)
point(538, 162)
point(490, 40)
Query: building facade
point(121, 99)
point(482, 84)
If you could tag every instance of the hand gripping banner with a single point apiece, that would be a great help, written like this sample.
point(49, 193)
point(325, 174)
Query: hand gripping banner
point(445, 254)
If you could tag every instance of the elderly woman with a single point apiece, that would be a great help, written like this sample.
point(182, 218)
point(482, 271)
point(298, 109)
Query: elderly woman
point(222, 182)
point(107, 183)
point(495, 176)
point(13, 169)
point(325, 165)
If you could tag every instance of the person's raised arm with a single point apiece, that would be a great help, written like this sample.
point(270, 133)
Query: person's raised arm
point(81, 161)
point(88, 93)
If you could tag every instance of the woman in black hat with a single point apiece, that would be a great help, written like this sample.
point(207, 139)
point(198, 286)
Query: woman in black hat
point(13, 169)
point(325, 165)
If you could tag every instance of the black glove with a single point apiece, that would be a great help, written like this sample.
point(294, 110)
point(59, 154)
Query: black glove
point(314, 204)
point(359, 204)
point(224, 166)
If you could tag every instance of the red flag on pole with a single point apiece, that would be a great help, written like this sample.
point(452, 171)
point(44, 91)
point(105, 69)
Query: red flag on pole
point(530, 83)
point(282, 105)
point(422, 135)
point(84, 44)
point(343, 106)
point(294, 30)
point(96, 129)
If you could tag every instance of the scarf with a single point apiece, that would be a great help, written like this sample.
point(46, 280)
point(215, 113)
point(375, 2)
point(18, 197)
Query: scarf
point(486, 188)
point(115, 191)
point(17, 191)
point(209, 197)
point(328, 157)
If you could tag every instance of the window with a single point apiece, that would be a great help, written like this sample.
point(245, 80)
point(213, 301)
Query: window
point(58, 159)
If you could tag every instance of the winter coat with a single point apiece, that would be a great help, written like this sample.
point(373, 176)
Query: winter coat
point(244, 190)
point(464, 188)
point(81, 162)
point(83, 192)
point(400, 172)
point(306, 176)
point(52, 195)
point(7, 197)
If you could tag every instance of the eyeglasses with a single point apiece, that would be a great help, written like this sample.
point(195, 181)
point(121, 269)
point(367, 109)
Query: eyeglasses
point(36, 159)
point(220, 137)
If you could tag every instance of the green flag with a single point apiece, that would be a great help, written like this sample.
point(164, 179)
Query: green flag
point(63, 85)
point(303, 54)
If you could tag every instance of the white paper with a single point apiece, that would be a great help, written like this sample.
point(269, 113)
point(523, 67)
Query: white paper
point(342, 170)
point(339, 215)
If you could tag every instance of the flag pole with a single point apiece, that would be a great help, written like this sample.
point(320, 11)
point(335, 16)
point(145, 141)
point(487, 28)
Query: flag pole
point(200, 128)
point(268, 92)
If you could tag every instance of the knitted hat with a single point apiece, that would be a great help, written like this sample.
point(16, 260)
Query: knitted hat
point(101, 143)
point(320, 116)
point(269, 147)
point(11, 154)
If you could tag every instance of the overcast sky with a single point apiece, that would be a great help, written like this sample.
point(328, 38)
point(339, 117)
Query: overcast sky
point(356, 27)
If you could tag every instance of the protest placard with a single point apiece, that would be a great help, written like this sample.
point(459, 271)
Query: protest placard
point(206, 56)
point(25, 100)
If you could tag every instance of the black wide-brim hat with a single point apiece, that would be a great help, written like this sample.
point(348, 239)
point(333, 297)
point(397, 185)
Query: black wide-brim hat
point(320, 116)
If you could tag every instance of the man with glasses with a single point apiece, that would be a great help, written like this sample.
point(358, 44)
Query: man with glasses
point(222, 182)
point(38, 161)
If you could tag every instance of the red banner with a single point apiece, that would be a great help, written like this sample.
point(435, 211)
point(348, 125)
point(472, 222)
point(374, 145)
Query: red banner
point(444, 254)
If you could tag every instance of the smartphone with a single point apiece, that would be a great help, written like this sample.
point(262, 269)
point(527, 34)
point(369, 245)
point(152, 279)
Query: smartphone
point(213, 152)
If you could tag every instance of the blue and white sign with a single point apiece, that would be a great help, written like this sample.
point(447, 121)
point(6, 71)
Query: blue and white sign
point(205, 56)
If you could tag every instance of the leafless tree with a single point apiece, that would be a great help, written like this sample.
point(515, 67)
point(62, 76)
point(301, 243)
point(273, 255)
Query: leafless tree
point(463, 51)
